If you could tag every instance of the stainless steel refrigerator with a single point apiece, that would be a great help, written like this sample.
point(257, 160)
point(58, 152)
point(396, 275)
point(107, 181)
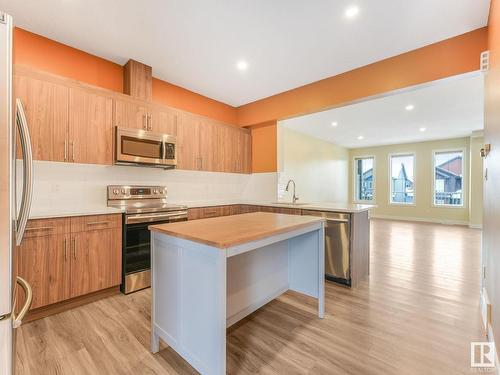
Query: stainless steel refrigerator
point(12, 219)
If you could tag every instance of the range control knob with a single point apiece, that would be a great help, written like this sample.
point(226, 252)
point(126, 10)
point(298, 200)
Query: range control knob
point(116, 191)
point(155, 191)
point(123, 191)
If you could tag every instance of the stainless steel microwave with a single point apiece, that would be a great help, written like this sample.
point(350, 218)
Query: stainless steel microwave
point(141, 147)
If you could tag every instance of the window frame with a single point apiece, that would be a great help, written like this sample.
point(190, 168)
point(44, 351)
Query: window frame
point(390, 156)
point(355, 198)
point(464, 180)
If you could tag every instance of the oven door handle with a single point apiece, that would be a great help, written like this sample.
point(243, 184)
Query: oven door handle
point(141, 218)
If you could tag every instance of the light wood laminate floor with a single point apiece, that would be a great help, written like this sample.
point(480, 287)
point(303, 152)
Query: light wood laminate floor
point(417, 315)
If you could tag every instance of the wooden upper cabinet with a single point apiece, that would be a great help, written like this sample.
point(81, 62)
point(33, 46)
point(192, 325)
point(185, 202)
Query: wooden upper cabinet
point(163, 120)
point(75, 123)
point(46, 107)
point(234, 149)
point(208, 152)
point(131, 114)
point(209, 145)
point(224, 148)
point(138, 80)
point(188, 138)
point(246, 149)
point(90, 138)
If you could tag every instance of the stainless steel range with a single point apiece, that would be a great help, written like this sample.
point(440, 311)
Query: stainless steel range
point(142, 206)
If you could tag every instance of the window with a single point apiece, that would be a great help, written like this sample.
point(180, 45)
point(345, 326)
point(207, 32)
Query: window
point(402, 179)
point(364, 177)
point(448, 178)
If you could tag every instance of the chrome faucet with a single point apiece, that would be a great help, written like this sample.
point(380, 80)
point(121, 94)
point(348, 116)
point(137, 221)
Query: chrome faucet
point(295, 198)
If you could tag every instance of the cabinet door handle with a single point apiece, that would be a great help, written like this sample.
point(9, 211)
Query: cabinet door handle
point(72, 151)
point(99, 222)
point(74, 247)
point(144, 122)
point(150, 122)
point(65, 150)
point(65, 249)
point(39, 228)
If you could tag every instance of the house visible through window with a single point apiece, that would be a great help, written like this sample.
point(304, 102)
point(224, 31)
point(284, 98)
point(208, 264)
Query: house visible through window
point(448, 178)
point(363, 169)
point(402, 180)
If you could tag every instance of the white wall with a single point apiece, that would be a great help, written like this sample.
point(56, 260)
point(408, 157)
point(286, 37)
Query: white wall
point(319, 168)
point(64, 184)
point(476, 183)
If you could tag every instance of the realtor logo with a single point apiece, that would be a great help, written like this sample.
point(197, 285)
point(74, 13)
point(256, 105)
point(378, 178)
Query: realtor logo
point(482, 354)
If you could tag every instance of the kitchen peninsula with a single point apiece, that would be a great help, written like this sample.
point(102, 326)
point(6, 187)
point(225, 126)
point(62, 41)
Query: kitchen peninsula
point(210, 273)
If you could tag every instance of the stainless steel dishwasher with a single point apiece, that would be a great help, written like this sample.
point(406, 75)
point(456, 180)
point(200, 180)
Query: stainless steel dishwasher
point(337, 245)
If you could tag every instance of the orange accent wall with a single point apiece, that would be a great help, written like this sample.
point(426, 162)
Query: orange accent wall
point(443, 59)
point(450, 57)
point(175, 96)
point(48, 55)
point(491, 210)
point(264, 153)
point(45, 54)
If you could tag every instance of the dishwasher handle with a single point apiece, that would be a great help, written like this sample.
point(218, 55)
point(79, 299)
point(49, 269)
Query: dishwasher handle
point(337, 221)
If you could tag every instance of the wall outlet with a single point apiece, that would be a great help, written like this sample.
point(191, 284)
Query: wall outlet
point(484, 61)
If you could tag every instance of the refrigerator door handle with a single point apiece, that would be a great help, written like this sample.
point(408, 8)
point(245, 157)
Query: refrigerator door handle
point(17, 320)
point(27, 196)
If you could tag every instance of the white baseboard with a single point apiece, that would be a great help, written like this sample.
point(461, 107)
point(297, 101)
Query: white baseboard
point(420, 219)
point(488, 329)
point(485, 310)
point(492, 339)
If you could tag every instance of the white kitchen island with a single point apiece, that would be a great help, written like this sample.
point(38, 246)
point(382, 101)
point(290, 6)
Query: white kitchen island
point(208, 274)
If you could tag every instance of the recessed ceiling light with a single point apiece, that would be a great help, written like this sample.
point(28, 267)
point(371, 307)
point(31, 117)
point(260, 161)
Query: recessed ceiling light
point(351, 12)
point(422, 129)
point(410, 107)
point(360, 137)
point(334, 124)
point(242, 65)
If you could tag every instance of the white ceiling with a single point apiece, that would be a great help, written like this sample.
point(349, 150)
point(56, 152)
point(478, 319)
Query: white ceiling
point(446, 109)
point(287, 43)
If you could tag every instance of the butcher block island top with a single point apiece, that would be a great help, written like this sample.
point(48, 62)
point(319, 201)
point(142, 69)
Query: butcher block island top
point(227, 231)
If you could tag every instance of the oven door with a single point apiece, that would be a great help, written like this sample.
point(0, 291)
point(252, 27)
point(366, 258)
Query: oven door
point(137, 249)
point(135, 146)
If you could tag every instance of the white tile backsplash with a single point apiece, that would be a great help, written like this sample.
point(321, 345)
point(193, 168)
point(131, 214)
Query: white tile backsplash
point(64, 184)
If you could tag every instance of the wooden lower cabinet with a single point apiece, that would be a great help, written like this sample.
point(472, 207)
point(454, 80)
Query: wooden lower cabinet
point(236, 209)
point(214, 211)
point(281, 210)
point(70, 257)
point(247, 208)
point(94, 261)
point(44, 262)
